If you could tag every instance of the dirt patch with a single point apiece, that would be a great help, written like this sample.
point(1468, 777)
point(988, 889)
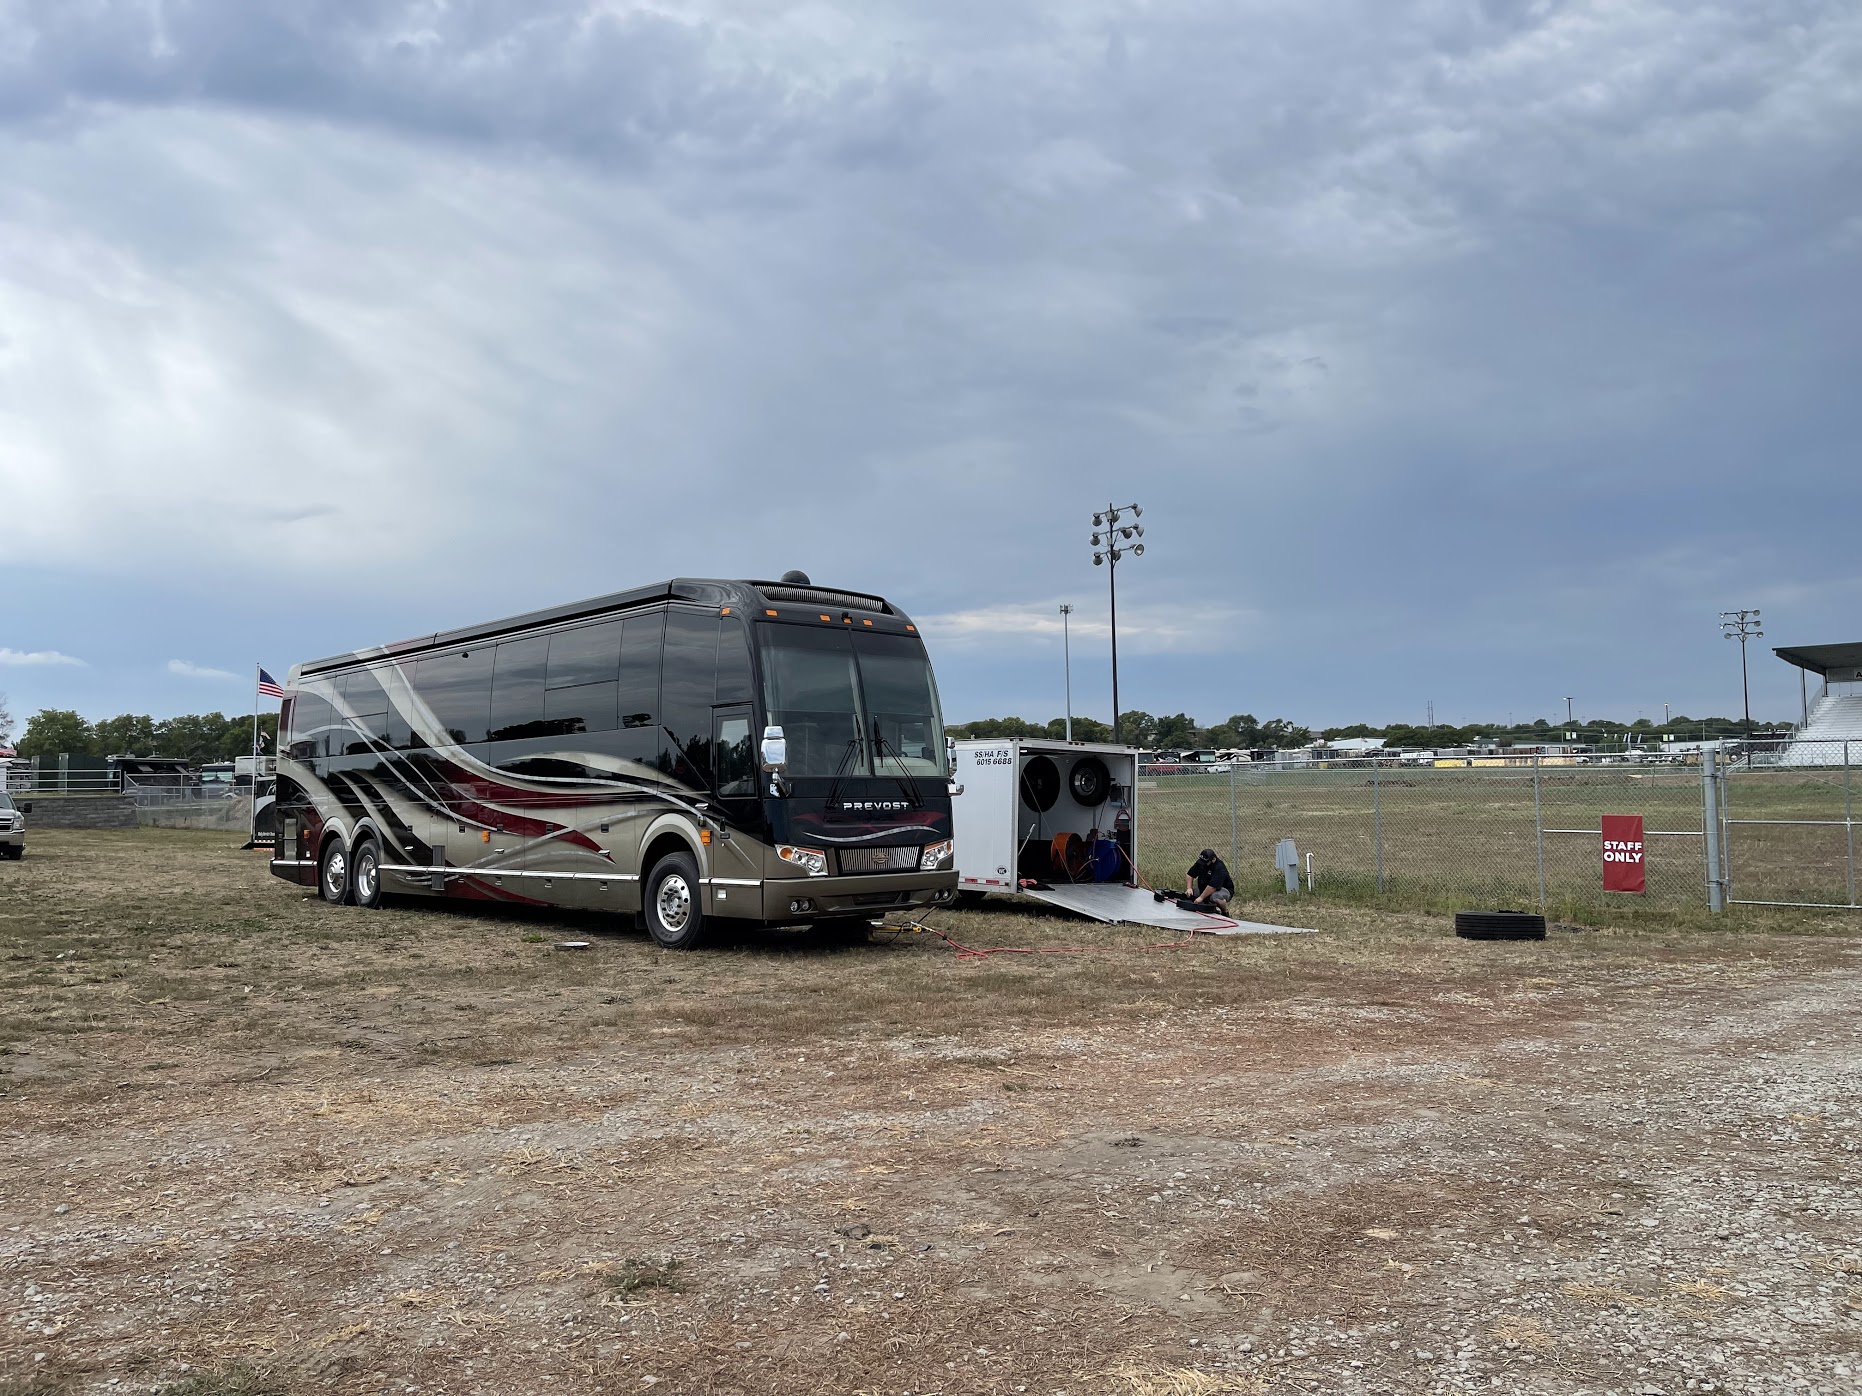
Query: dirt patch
point(257, 1144)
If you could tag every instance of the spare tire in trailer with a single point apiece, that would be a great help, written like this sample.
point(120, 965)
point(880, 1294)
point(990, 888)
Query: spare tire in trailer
point(1499, 925)
point(1089, 782)
point(1040, 784)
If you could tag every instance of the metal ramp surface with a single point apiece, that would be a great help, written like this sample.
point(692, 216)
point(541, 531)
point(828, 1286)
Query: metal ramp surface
point(1119, 905)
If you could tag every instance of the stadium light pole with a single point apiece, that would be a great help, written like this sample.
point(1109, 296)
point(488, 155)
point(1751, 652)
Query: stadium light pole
point(1743, 625)
point(1066, 663)
point(1569, 719)
point(1109, 533)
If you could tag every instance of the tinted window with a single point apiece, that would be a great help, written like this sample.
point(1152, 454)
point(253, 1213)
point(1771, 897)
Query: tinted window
point(810, 686)
point(311, 717)
point(735, 684)
point(517, 688)
point(588, 707)
point(367, 702)
point(640, 663)
point(901, 704)
point(688, 683)
point(456, 688)
point(735, 757)
point(585, 655)
point(394, 678)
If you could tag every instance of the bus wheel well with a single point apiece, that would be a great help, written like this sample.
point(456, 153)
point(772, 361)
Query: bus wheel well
point(658, 849)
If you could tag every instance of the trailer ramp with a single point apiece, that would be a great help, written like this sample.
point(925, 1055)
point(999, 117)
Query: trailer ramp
point(1119, 905)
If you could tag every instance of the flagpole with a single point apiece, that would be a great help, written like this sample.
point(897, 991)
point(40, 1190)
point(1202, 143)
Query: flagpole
point(252, 806)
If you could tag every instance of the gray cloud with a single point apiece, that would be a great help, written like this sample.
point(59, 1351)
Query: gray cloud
point(1469, 345)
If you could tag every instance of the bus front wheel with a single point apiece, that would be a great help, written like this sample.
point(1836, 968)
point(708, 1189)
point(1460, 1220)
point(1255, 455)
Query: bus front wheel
point(675, 913)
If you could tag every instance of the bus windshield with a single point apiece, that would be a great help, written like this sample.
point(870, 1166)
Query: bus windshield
point(852, 704)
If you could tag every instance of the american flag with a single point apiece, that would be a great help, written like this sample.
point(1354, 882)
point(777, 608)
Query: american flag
point(268, 686)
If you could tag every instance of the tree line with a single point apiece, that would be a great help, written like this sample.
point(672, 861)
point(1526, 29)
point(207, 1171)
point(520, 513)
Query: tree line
point(195, 737)
point(1243, 732)
point(1177, 732)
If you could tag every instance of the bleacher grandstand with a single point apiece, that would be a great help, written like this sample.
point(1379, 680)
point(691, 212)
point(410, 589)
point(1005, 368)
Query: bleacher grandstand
point(1832, 730)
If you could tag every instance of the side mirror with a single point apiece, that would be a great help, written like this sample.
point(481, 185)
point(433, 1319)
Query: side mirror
point(26, 808)
point(775, 750)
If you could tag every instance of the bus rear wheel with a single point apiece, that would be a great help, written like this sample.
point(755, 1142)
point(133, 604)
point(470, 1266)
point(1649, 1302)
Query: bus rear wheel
point(365, 875)
point(333, 873)
point(674, 909)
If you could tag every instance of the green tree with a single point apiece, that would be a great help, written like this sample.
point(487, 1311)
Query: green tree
point(6, 721)
point(54, 732)
point(1138, 728)
point(1178, 730)
point(1284, 735)
point(129, 734)
point(195, 737)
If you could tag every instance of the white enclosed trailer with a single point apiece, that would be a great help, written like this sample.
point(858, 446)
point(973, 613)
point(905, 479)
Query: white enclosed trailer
point(1058, 822)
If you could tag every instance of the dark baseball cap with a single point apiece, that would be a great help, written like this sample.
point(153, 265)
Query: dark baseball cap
point(1206, 856)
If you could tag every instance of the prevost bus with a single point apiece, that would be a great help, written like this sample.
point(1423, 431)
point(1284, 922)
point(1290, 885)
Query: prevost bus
point(767, 752)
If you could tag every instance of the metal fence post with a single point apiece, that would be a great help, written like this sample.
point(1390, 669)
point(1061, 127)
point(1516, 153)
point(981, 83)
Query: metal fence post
point(1849, 825)
point(1538, 827)
point(1377, 826)
point(1710, 830)
point(1234, 824)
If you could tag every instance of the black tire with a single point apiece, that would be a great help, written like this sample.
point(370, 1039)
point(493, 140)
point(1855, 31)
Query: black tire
point(365, 874)
point(674, 903)
point(16, 853)
point(1499, 925)
point(333, 873)
point(1089, 782)
point(1040, 784)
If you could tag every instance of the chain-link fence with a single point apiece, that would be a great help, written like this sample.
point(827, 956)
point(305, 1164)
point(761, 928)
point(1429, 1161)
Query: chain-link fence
point(1789, 814)
point(1483, 831)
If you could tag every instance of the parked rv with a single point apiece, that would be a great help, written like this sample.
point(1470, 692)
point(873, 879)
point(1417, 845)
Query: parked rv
point(606, 754)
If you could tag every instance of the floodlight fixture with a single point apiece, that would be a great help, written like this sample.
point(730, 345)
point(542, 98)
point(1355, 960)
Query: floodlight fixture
point(1107, 553)
point(1743, 625)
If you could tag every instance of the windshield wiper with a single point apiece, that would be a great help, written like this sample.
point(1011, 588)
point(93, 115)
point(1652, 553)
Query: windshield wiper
point(840, 770)
point(907, 786)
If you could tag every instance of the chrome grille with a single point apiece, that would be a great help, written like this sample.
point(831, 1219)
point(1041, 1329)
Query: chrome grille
point(870, 860)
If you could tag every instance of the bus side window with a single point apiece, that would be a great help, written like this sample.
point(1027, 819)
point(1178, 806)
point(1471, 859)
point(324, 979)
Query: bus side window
point(367, 702)
point(517, 689)
point(311, 718)
point(736, 761)
point(637, 740)
point(735, 683)
point(688, 686)
point(456, 687)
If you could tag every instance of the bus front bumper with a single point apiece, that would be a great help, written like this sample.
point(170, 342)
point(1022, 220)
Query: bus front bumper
point(824, 898)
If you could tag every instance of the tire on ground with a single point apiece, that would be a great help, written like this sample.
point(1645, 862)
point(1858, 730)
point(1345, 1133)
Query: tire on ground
point(333, 873)
point(1499, 925)
point(365, 874)
point(673, 903)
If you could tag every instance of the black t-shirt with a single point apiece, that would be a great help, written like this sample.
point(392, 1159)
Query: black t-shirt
point(1214, 875)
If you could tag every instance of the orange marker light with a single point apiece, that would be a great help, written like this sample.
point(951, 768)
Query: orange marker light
point(725, 612)
point(769, 613)
point(827, 617)
point(912, 628)
point(484, 836)
point(704, 837)
point(866, 623)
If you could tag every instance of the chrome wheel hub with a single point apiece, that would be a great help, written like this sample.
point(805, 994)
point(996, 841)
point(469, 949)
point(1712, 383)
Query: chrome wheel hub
point(336, 871)
point(674, 903)
point(365, 878)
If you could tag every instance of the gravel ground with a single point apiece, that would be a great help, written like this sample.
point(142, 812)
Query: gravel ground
point(1568, 1170)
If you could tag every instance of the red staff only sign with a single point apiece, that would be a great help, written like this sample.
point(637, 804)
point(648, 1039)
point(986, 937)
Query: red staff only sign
point(1624, 869)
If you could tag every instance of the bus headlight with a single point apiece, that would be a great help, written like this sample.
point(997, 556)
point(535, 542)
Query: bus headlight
point(810, 860)
point(935, 856)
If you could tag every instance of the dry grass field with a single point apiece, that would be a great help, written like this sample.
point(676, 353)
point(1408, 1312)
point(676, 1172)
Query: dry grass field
point(254, 1144)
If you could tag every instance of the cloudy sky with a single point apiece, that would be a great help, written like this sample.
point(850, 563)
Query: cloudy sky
point(1474, 352)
